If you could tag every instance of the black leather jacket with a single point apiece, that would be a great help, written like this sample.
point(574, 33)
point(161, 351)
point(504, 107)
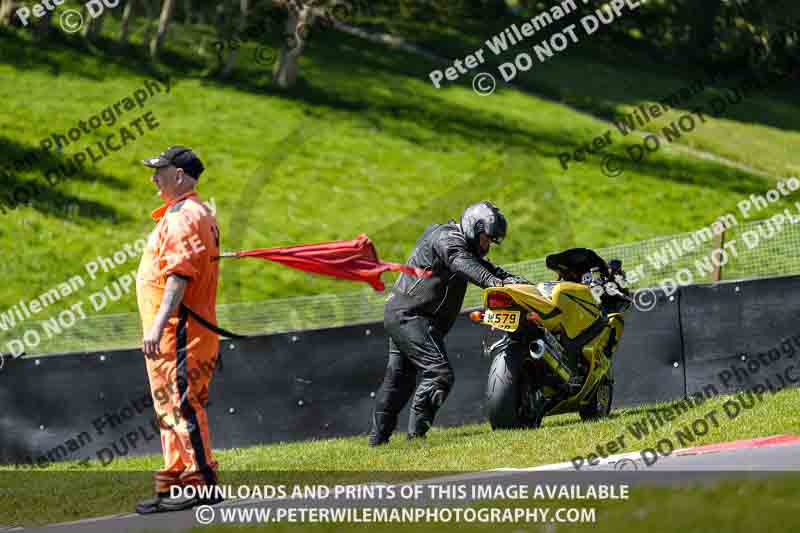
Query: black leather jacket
point(444, 251)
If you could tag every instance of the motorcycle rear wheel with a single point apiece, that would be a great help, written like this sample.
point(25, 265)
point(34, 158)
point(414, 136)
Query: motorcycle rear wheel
point(504, 390)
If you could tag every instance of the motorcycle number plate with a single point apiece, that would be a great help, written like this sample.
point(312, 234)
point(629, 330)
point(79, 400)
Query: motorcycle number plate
point(504, 320)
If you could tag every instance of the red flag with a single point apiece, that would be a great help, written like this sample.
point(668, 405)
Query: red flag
point(355, 260)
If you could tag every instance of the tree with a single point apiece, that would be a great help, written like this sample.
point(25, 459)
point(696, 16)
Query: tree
point(7, 10)
point(301, 16)
point(92, 26)
point(127, 15)
point(167, 10)
point(233, 51)
point(298, 21)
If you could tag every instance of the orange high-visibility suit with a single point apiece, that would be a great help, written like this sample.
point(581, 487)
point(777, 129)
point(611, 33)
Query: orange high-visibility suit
point(185, 243)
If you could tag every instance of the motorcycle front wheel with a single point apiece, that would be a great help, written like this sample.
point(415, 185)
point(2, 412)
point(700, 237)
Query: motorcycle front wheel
point(600, 405)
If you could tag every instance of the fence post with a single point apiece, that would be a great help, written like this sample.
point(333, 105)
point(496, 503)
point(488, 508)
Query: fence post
point(719, 242)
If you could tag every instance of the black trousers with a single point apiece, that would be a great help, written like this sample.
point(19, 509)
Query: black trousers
point(415, 346)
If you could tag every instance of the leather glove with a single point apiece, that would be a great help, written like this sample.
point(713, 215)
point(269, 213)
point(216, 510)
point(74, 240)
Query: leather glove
point(516, 280)
point(495, 282)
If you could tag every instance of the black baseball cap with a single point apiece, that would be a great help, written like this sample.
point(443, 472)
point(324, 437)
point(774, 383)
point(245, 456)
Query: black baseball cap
point(178, 156)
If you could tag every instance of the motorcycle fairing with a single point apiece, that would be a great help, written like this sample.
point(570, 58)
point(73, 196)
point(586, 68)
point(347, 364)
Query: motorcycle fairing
point(570, 308)
point(565, 306)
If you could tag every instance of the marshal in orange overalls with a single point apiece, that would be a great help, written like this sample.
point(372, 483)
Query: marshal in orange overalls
point(185, 243)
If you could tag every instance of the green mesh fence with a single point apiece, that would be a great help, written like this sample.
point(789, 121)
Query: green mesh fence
point(753, 250)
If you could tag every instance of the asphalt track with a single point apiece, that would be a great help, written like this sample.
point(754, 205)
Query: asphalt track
point(750, 459)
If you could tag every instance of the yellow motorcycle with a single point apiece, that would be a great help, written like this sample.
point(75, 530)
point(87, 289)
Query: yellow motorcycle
point(556, 341)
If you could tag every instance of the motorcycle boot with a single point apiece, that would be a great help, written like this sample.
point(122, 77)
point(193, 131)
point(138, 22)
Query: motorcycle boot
point(422, 413)
point(383, 425)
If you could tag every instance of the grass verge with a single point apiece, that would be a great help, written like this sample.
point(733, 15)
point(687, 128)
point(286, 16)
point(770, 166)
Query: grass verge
point(66, 491)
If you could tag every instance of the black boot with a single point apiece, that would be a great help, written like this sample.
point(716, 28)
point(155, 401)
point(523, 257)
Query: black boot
point(377, 440)
point(163, 502)
point(152, 505)
point(429, 398)
point(382, 426)
point(419, 423)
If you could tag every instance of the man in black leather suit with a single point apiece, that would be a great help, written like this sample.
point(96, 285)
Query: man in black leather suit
point(419, 312)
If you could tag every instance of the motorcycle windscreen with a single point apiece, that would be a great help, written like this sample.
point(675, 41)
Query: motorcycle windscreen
point(578, 260)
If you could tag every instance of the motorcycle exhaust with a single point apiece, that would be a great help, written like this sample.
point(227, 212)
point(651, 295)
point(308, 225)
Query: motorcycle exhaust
point(540, 350)
point(537, 349)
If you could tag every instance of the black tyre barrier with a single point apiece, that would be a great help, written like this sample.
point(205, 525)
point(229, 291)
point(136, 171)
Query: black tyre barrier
point(321, 383)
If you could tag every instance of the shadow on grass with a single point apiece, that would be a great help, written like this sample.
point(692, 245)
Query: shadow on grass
point(547, 424)
point(38, 193)
point(465, 433)
point(61, 53)
point(379, 86)
point(617, 85)
point(615, 68)
point(431, 121)
point(620, 71)
point(643, 411)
